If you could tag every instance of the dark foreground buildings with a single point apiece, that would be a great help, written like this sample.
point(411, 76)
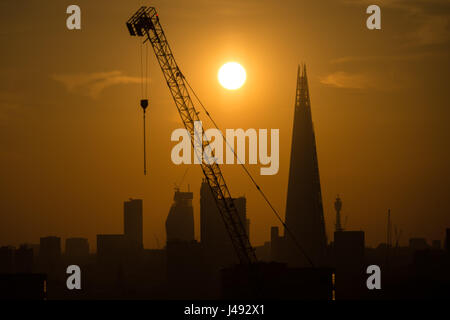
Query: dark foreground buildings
point(184, 255)
point(77, 248)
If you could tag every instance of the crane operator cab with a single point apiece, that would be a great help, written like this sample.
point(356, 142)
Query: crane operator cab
point(142, 22)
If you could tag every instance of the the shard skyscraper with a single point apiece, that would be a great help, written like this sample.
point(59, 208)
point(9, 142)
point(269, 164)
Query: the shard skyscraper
point(304, 211)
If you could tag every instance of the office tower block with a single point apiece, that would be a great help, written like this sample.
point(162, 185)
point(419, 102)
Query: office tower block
point(50, 249)
point(133, 223)
point(214, 236)
point(77, 247)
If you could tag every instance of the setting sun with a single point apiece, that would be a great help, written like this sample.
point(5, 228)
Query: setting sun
point(232, 75)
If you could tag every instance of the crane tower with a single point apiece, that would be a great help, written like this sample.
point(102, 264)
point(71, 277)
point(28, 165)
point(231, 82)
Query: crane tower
point(145, 23)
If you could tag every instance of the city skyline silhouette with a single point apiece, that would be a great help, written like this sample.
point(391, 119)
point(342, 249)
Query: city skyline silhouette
point(363, 169)
point(121, 267)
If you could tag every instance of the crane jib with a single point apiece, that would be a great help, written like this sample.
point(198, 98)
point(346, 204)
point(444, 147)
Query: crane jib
point(145, 23)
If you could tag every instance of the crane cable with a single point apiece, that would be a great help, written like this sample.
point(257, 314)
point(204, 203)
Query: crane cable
point(252, 179)
point(144, 96)
point(178, 185)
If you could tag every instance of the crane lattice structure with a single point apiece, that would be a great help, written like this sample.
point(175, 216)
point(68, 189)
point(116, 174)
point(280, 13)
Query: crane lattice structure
point(145, 23)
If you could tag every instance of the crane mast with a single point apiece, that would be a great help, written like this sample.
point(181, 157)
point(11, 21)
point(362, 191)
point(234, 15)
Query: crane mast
point(145, 23)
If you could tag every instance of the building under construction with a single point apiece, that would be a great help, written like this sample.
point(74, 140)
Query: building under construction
point(180, 220)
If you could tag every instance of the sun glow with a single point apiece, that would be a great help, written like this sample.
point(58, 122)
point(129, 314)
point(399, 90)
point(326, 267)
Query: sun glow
point(232, 75)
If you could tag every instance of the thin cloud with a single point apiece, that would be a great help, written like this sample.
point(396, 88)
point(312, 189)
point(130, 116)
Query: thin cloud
point(412, 6)
point(342, 79)
point(9, 103)
point(432, 30)
point(391, 58)
point(92, 84)
point(430, 18)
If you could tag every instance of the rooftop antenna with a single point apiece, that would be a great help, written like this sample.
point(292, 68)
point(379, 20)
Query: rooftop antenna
point(397, 234)
point(388, 237)
point(178, 185)
point(338, 208)
point(389, 230)
point(157, 241)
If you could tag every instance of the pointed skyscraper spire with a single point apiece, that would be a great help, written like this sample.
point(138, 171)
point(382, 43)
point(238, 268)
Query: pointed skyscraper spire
point(304, 211)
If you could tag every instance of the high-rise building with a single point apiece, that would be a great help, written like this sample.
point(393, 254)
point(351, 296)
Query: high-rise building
point(133, 223)
point(184, 255)
point(180, 220)
point(214, 236)
point(209, 217)
point(77, 247)
point(50, 249)
point(23, 259)
point(304, 211)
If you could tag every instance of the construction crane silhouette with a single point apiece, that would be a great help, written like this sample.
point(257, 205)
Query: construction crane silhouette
point(145, 23)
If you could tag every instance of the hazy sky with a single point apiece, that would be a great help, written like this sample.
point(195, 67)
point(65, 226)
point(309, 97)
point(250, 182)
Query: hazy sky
point(71, 127)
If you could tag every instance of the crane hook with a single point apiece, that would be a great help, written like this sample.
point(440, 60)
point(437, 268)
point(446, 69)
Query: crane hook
point(144, 105)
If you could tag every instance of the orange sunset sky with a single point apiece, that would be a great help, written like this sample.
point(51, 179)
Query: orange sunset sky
point(71, 126)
